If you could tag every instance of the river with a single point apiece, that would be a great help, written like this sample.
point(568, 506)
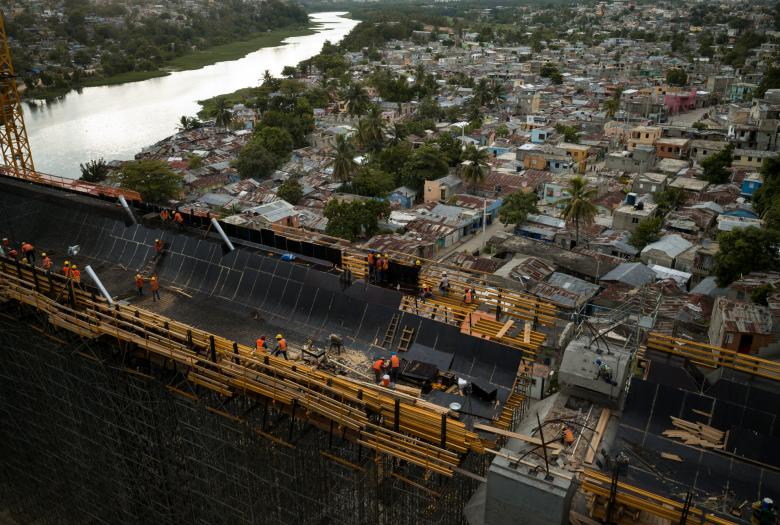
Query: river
point(116, 122)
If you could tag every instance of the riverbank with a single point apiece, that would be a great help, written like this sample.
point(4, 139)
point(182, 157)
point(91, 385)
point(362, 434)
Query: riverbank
point(190, 61)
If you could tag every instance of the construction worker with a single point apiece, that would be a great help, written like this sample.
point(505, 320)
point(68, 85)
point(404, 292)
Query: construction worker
point(165, 215)
point(178, 219)
point(158, 246)
point(417, 264)
point(154, 286)
point(260, 344)
point(66, 269)
point(467, 297)
point(75, 274)
point(395, 366)
point(370, 259)
point(444, 284)
point(385, 267)
point(281, 347)
point(139, 284)
point(763, 512)
point(568, 436)
point(378, 368)
point(378, 268)
point(386, 381)
point(426, 292)
point(605, 372)
point(46, 265)
point(12, 253)
point(5, 247)
point(28, 251)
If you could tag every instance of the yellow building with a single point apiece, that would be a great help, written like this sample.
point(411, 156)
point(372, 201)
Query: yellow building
point(643, 135)
point(578, 153)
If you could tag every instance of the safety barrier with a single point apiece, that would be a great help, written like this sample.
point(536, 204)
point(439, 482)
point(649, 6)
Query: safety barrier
point(75, 185)
point(714, 356)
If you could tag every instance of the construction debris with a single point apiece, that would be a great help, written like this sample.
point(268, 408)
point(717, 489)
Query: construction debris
point(699, 434)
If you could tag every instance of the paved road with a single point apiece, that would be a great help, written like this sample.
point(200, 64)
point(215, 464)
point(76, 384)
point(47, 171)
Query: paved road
point(686, 119)
point(474, 242)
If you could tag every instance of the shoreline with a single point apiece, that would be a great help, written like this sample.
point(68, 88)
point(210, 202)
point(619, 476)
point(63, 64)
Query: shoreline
point(195, 60)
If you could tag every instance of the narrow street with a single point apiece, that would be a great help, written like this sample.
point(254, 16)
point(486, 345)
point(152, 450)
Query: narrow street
point(474, 242)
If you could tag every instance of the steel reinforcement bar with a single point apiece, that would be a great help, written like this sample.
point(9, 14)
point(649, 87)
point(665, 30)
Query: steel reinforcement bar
point(387, 421)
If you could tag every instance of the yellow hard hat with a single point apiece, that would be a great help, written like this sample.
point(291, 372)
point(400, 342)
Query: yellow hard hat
point(157, 240)
point(278, 336)
point(74, 266)
point(67, 263)
point(43, 255)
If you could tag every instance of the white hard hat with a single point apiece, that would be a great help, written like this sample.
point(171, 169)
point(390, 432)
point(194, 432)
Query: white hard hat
point(768, 501)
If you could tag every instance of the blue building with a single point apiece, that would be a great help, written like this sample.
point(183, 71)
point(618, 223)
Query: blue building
point(403, 196)
point(749, 186)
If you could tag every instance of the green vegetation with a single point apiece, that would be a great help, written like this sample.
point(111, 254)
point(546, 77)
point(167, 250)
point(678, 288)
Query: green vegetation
point(676, 77)
point(94, 171)
point(343, 159)
point(648, 231)
point(517, 206)
point(290, 191)
point(474, 166)
point(153, 179)
point(716, 165)
point(255, 161)
point(578, 206)
point(669, 199)
point(425, 163)
point(570, 133)
point(746, 250)
point(766, 201)
point(355, 220)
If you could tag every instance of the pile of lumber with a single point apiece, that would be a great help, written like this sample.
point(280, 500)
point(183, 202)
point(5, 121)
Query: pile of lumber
point(699, 434)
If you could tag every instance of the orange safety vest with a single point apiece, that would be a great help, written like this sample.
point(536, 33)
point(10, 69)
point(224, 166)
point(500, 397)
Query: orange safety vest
point(46, 263)
point(66, 271)
point(76, 276)
point(568, 436)
point(178, 218)
point(282, 344)
point(468, 296)
point(370, 259)
point(13, 254)
point(158, 246)
point(164, 215)
point(379, 262)
point(261, 343)
point(378, 364)
point(27, 247)
point(139, 281)
point(385, 263)
point(154, 284)
point(394, 361)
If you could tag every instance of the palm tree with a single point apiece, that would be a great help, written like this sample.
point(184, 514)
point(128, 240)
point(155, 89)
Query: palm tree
point(611, 107)
point(221, 113)
point(482, 92)
point(371, 129)
point(474, 165)
point(357, 99)
point(343, 159)
point(497, 93)
point(397, 133)
point(578, 206)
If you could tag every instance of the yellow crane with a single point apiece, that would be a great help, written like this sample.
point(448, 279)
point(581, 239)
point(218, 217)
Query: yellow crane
point(13, 134)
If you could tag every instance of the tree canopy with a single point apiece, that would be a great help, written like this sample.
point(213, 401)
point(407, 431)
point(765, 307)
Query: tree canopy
point(355, 220)
point(716, 165)
point(746, 250)
point(676, 77)
point(153, 179)
point(426, 163)
point(290, 191)
point(94, 170)
point(517, 206)
point(255, 161)
point(648, 231)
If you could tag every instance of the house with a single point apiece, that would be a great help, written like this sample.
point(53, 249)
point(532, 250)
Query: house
point(649, 183)
point(641, 159)
point(628, 216)
point(750, 184)
point(280, 213)
point(442, 189)
point(540, 135)
point(672, 148)
point(566, 291)
point(614, 243)
point(741, 91)
point(701, 149)
point(691, 186)
point(665, 251)
point(743, 327)
point(634, 274)
point(578, 153)
point(643, 135)
point(403, 196)
point(751, 159)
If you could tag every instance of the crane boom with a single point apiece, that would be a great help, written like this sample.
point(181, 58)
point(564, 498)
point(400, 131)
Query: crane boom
point(13, 134)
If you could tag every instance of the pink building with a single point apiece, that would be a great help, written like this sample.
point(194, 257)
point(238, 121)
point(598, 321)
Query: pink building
point(680, 102)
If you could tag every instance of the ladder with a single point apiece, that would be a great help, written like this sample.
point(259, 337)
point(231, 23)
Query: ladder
point(406, 339)
point(391, 330)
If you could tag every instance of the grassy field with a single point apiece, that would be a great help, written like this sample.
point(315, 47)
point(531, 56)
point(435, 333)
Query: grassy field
point(241, 96)
point(205, 57)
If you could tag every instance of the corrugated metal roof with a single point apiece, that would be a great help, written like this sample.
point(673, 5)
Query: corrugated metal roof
point(672, 245)
point(635, 274)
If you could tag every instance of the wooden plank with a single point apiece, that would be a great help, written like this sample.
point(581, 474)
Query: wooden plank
point(673, 457)
point(597, 435)
point(522, 437)
point(501, 333)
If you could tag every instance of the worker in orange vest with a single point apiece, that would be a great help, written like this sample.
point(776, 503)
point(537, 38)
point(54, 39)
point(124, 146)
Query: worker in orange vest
point(261, 344)
point(75, 274)
point(395, 366)
point(165, 215)
point(179, 219)
point(28, 251)
point(370, 259)
point(12, 253)
point(467, 297)
point(46, 263)
point(378, 368)
point(568, 436)
point(66, 269)
point(154, 285)
point(139, 283)
point(385, 267)
point(281, 347)
point(378, 268)
point(158, 246)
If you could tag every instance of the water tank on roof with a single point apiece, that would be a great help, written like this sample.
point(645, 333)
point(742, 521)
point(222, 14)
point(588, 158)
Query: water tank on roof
point(631, 199)
point(639, 206)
